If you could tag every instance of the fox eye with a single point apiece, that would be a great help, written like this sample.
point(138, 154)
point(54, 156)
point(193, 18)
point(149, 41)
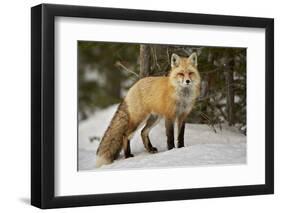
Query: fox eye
point(191, 74)
point(180, 75)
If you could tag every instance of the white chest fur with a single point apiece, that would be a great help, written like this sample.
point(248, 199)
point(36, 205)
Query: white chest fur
point(185, 99)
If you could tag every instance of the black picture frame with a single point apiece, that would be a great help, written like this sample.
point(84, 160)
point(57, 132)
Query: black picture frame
point(43, 105)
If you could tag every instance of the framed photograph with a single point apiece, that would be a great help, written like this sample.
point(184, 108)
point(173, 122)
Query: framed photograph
point(139, 106)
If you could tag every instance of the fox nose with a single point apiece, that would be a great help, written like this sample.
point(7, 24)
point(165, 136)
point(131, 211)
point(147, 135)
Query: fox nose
point(187, 81)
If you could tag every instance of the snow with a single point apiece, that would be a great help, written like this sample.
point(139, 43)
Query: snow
point(203, 147)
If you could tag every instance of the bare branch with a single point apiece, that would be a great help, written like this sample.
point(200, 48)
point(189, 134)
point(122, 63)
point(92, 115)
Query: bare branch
point(118, 63)
point(210, 122)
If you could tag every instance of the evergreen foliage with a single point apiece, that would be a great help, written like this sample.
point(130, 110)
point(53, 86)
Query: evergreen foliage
point(107, 70)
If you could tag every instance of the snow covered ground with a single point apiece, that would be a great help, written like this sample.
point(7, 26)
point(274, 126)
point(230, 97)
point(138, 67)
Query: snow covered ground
point(203, 147)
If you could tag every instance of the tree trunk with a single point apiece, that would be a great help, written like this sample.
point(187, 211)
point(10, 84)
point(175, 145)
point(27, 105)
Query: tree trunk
point(230, 94)
point(144, 60)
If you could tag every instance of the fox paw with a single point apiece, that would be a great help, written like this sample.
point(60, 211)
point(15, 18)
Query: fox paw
point(129, 156)
point(153, 150)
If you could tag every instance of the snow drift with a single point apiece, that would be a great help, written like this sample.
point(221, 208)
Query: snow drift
point(203, 147)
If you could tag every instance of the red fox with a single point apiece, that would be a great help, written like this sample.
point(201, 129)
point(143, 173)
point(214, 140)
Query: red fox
point(148, 100)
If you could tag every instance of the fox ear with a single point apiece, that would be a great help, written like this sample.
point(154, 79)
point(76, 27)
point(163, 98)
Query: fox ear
point(193, 59)
point(175, 60)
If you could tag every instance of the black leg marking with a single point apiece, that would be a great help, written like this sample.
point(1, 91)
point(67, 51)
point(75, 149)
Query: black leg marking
point(181, 128)
point(127, 149)
point(170, 133)
point(151, 121)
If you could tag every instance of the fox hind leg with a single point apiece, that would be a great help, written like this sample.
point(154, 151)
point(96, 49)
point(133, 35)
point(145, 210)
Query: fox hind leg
point(127, 147)
point(150, 123)
point(126, 141)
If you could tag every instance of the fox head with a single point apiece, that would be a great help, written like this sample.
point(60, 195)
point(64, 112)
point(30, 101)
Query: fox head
point(184, 72)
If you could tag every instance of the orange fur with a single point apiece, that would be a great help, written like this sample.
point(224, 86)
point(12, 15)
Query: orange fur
point(157, 95)
point(170, 97)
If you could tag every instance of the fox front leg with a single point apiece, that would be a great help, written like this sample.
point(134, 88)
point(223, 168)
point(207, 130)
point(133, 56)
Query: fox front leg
point(169, 124)
point(180, 127)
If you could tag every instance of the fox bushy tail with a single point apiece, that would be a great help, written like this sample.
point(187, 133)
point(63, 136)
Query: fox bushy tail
point(112, 141)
